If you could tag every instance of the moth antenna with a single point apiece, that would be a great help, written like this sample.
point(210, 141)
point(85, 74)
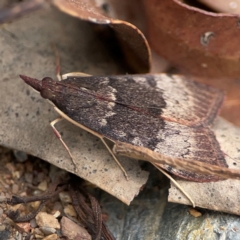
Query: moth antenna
point(58, 62)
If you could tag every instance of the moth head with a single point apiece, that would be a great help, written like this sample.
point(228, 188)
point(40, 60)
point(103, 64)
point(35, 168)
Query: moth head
point(49, 88)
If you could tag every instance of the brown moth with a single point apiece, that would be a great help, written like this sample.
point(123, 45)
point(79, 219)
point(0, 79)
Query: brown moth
point(168, 115)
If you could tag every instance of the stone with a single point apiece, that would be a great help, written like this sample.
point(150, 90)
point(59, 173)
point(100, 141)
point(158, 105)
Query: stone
point(69, 210)
point(73, 231)
point(44, 219)
point(43, 185)
point(51, 237)
point(65, 197)
point(48, 230)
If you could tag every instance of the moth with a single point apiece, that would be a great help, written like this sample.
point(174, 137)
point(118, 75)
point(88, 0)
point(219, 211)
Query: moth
point(161, 114)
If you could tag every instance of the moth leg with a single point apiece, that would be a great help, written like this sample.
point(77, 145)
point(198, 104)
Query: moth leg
point(63, 115)
point(114, 157)
point(58, 135)
point(176, 184)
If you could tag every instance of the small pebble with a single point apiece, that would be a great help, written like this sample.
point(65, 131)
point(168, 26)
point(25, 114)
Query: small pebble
point(47, 230)
point(23, 194)
point(51, 237)
point(57, 214)
point(37, 192)
point(65, 197)
point(7, 195)
point(69, 210)
point(43, 185)
point(24, 227)
point(10, 167)
point(39, 236)
point(2, 197)
point(73, 231)
point(33, 223)
point(2, 228)
point(28, 177)
point(35, 204)
point(1, 212)
point(15, 188)
point(16, 174)
point(194, 213)
point(44, 219)
point(38, 231)
point(20, 156)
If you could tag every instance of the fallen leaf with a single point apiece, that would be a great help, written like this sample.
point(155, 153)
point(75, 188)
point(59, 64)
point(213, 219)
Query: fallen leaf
point(203, 44)
point(25, 116)
point(130, 38)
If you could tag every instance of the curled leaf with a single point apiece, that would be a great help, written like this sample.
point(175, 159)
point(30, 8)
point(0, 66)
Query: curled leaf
point(130, 38)
point(199, 42)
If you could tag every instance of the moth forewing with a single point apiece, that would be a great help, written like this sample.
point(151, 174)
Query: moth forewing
point(167, 114)
point(37, 86)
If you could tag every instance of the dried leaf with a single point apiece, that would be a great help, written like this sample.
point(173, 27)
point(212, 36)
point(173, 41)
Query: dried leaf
point(204, 44)
point(25, 116)
point(129, 37)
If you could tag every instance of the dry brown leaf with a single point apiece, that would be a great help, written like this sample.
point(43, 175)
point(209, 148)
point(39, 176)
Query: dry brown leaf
point(130, 38)
point(199, 42)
